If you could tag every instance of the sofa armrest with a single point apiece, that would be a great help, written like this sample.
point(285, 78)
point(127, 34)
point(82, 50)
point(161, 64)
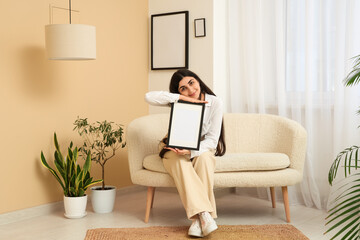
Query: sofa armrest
point(294, 142)
point(143, 136)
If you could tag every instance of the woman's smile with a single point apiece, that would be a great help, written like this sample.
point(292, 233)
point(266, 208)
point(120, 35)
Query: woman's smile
point(190, 87)
point(192, 94)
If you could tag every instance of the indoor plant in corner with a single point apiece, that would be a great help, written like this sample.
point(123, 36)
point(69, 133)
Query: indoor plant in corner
point(345, 212)
point(73, 179)
point(101, 139)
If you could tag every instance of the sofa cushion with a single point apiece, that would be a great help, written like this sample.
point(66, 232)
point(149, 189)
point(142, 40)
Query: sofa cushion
point(232, 162)
point(154, 163)
point(235, 162)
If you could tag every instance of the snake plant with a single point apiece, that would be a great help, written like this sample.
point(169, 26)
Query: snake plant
point(73, 178)
point(345, 212)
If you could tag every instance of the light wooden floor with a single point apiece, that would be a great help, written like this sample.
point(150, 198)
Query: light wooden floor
point(233, 209)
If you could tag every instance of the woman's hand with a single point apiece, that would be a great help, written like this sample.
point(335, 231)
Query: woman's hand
point(179, 151)
point(193, 100)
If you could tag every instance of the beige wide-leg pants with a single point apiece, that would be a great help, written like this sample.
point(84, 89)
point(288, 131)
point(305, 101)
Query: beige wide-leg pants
point(194, 181)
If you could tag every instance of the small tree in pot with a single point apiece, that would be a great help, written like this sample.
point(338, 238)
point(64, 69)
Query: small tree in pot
point(101, 140)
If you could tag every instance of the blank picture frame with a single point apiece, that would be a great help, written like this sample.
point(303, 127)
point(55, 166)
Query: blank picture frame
point(170, 40)
point(200, 27)
point(185, 125)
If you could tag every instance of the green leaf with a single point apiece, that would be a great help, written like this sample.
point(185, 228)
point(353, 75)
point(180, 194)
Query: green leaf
point(72, 183)
point(343, 205)
point(81, 192)
point(68, 172)
point(56, 143)
point(87, 181)
point(78, 180)
point(57, 147)
point(87, 164)
point(350, 231)
point(345, 213)
point(78, 170)
point(60, 170)
point(353, 77)
point(356, 233)
point(72, 192)
point(346, 226)
point(60, 166)
point(70, 155)
point(334, 167)
point(92, 183)
point(75, 154)
point(349, 163)
point(45, 164)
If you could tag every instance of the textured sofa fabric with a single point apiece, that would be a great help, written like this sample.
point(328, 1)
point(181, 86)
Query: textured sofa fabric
point(262, 151)
point(232, 162)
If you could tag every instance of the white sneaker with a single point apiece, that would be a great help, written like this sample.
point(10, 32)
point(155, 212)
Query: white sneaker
point(195, 228)
point(208, 224)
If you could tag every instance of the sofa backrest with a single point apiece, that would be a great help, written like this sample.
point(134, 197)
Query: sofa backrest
point(243, 132)
point(258, 133)
point(148, 131)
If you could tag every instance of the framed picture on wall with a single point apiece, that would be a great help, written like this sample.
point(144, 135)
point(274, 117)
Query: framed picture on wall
point(170, 40)
point(185, 125)
point(200, 28)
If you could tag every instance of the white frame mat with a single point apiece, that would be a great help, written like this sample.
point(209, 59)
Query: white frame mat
point(185, 125)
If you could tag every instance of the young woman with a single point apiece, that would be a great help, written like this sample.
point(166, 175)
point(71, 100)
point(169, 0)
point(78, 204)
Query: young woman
point(193, 171)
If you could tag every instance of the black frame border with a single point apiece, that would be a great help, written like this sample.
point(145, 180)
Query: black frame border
point(186, 41)
point(198, 19)
point(200, 128)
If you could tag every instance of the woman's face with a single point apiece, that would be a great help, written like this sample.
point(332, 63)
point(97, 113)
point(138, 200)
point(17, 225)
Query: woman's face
point(190, 87)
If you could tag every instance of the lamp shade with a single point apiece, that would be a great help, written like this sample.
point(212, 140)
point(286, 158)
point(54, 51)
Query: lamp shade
point(70, 41)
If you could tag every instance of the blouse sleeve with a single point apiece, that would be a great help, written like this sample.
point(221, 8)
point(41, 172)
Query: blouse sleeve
point(160, 98)
point(212, 136)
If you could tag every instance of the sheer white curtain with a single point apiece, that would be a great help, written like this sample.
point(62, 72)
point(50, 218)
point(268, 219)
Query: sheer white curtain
point(290, 58)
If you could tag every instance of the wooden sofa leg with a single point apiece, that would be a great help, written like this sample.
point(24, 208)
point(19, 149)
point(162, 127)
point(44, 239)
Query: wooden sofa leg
point(149, 202)
point(152, 199)
point(273, 201)
point(286, 203)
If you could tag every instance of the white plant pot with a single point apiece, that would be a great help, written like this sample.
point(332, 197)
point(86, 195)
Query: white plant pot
point(103, 201)
point(75, 207)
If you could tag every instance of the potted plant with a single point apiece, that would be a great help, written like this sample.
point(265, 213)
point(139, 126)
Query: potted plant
point(73, 179)
point(101, 139)
point(345, 213)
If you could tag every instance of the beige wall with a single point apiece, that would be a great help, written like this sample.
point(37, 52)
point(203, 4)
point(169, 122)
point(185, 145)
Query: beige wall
point(38, 96)
point(200, 49)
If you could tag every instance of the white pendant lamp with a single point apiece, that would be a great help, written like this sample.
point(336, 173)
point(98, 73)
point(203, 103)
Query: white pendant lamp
point(70, 41)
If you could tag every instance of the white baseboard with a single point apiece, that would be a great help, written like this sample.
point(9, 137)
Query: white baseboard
point(50, 208)
point(28, 213)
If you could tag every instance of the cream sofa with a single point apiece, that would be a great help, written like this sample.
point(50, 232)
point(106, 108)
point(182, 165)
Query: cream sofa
point(262, 151)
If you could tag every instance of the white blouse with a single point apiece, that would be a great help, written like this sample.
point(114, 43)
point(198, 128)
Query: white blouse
point(212, 117)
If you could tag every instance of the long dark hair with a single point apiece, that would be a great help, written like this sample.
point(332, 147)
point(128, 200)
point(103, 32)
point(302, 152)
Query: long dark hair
point(174, 88)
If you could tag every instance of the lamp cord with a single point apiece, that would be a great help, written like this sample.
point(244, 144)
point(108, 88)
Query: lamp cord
point(70, 10)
